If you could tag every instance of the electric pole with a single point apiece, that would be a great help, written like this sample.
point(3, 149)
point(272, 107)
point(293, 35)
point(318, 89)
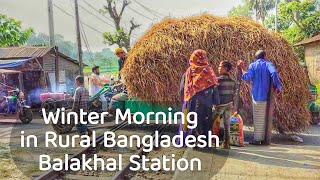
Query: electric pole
point(51, 25)
point(276, 18)
point(78, 37)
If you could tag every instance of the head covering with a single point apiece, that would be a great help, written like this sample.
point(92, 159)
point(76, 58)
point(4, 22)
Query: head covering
point(118, 50)
point(199, 75)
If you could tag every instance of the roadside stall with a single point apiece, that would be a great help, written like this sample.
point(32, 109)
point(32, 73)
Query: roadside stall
point(12, 99)
point(31, 79)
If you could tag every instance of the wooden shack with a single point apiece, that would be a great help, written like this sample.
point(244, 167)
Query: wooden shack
point(42, 67)
point(312, 56)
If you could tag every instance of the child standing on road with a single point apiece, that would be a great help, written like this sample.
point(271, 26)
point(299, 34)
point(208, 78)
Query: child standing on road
point(227, 91)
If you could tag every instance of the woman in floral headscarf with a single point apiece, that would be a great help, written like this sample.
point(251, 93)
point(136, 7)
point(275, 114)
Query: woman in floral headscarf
point(199, 92)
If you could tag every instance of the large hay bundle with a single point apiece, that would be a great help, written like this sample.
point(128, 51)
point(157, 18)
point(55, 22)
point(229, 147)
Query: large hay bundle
point(157, 61)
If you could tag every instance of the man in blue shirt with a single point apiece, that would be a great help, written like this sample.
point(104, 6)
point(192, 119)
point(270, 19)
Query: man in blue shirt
point(260, 73)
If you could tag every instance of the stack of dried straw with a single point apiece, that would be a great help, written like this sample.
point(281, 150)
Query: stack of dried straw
point(157, 61)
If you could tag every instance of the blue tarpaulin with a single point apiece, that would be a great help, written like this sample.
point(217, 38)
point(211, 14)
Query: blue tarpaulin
point(10, 63)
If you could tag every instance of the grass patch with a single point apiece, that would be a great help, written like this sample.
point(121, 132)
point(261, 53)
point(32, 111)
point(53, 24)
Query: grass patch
point(3, 146)
point(8, 170)
point(19, 151)
point(4, 151)
point(30, 169)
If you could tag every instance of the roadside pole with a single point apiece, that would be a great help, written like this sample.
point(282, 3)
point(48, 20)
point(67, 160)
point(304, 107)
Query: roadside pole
point(51, 24)
point(52, 43)
point(78, 38)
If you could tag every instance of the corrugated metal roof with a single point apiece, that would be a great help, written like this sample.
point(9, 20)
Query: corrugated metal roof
point(307, 41)
point(30, 52)
point(22, 52)
point(70, 59)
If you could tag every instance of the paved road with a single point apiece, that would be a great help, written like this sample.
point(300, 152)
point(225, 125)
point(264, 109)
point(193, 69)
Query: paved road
point(283, 159)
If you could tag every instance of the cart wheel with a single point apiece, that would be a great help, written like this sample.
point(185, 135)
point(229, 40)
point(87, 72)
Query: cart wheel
point(25, 115)
point(49, 105)
point(63, 128)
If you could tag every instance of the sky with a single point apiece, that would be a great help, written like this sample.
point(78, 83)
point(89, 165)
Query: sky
point(34, 13)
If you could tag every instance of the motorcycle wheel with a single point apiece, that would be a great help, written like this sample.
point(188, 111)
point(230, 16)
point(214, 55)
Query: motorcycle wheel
point(25, 115)
point(63, 128)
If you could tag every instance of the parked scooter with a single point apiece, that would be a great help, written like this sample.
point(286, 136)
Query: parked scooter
point(15, 104)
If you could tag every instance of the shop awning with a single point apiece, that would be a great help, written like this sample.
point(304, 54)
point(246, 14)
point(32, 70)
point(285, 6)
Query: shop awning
point(11, 63)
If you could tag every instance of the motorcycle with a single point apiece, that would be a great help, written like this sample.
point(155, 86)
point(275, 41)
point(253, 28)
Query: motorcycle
point(15, 104)
point(108, 90)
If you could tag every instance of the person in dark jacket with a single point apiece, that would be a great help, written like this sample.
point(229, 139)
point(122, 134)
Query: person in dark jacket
point(199, 93)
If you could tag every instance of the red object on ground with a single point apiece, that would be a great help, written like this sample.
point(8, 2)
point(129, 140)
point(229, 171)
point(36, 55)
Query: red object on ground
point(54, 96)
point(216, 125)
point(236, 130)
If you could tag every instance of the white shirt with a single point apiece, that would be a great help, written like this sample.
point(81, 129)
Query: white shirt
point(94, 88)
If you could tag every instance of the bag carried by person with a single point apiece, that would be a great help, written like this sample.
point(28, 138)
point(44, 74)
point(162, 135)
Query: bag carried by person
point(236, 131)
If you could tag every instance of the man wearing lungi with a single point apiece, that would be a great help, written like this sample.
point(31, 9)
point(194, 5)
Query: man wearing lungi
point(260, 73)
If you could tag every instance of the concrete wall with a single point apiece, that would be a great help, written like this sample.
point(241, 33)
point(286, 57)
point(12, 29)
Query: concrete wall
point(312, 57)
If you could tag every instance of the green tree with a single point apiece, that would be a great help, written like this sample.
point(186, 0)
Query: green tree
point(66, 47)
point(241, 10)
point(297, 21)
point(121, 37)
point(11, 32)
point(261, 8)
point(40, 39)
point(103, 58)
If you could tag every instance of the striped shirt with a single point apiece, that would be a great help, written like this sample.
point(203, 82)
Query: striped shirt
point(226, 89)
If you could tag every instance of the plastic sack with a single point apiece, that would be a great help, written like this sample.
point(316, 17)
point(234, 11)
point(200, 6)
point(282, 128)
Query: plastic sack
point(236, 131)
point(216, 125)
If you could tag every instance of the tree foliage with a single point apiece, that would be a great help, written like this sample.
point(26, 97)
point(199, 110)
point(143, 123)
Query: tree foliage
point(104, 58)
point(66, 47)
point(261, 8)
point(241, 10)
point(297, 20)
point(11, 32)
point(248, 8)
point(120, 37)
